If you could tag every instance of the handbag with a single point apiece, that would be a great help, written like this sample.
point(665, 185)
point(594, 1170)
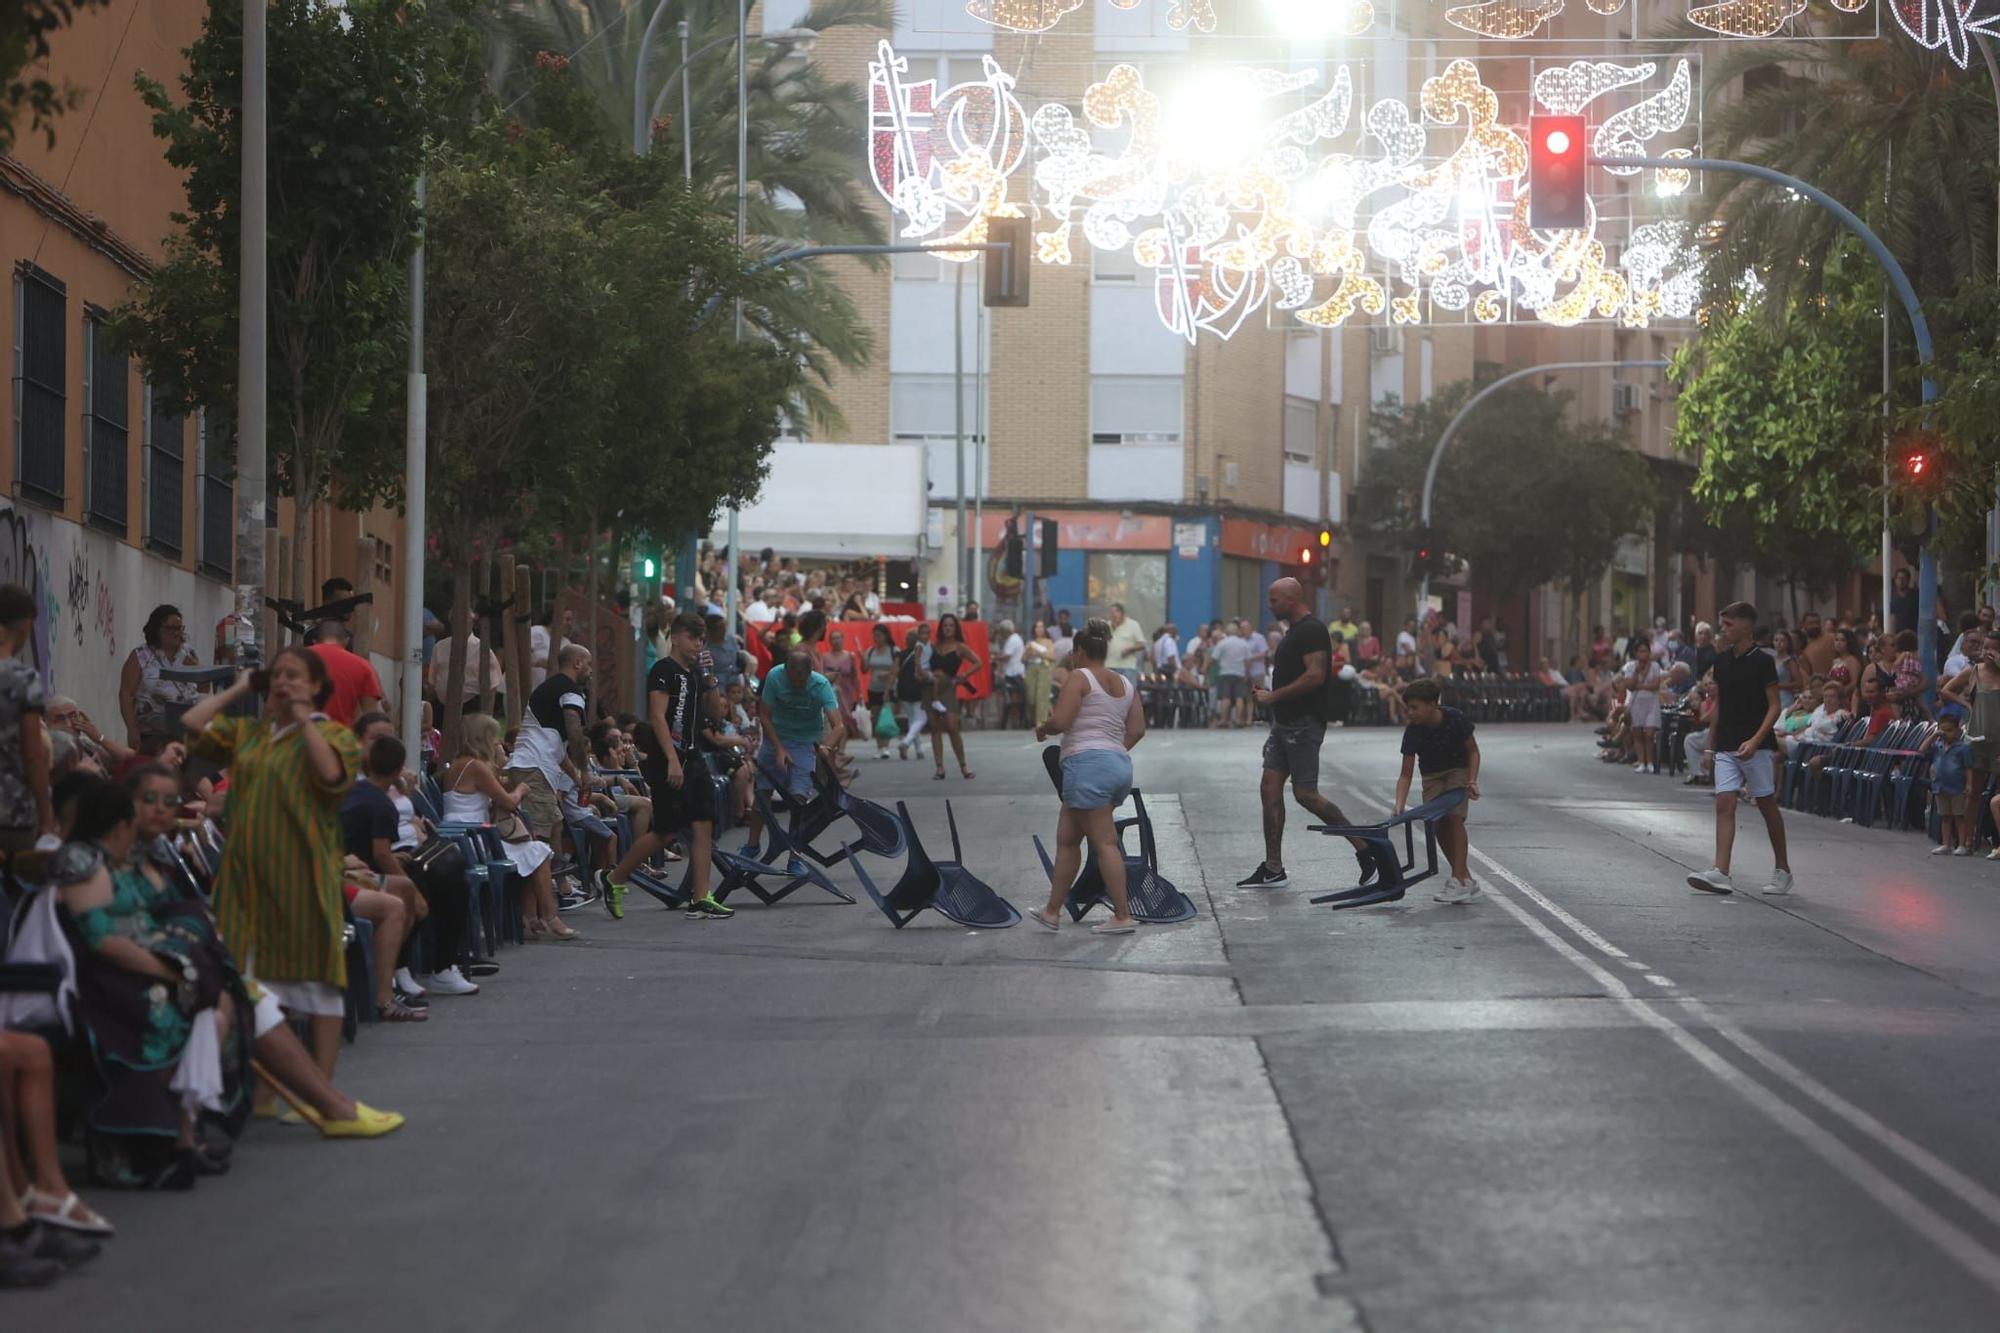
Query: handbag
point(511, 827)
point(441, 857)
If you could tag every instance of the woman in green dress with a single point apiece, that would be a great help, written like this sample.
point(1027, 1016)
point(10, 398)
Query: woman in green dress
point(278, 890)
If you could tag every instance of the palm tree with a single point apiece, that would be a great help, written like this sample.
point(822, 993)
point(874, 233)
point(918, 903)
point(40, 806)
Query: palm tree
point(1897, 133)
point(808, 137)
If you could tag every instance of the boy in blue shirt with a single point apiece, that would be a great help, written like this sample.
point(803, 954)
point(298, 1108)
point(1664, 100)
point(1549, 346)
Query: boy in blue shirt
point(1950, 754)
point(1439, 741)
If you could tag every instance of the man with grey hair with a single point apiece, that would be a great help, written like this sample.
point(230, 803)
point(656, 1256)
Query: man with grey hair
point(1010, 667)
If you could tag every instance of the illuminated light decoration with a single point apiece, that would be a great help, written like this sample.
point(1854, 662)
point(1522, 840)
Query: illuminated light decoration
point(1669, 182)
point(1196, 14)
point(1565, 90)
point(1624, 133)
point(1426, 218)
point(1610, 7)
point(1945, 25)
point(1508, 20)
point(1022, 15)
point(1746, 18)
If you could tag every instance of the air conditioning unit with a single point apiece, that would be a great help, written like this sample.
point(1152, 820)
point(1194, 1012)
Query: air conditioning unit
point(1624, 398)
point(1384, 340)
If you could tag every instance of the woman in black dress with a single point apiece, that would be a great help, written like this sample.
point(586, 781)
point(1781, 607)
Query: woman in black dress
point(952, 659)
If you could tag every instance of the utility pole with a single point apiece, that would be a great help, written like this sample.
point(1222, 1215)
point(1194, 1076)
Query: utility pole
point(415, 429)
point(252, 333)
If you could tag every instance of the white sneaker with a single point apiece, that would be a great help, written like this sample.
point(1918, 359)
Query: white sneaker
point(1940, 850)
point(1711, 880)
point(407, 983)
point(450, 982)
point(1963, 851)
point(1638, 768)
point(1457, 891)
point(1780, 885)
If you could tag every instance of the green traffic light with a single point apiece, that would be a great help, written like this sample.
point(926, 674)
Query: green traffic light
point(649, 567)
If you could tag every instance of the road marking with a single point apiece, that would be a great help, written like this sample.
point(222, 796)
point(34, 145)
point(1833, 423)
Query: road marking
point(1659, 980)
point(1870, 1179)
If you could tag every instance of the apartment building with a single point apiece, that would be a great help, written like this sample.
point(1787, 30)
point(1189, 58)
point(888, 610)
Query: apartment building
point(1187, 475)
point(114, 505)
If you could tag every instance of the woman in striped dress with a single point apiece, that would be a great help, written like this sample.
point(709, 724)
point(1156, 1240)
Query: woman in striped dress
point(278, 891)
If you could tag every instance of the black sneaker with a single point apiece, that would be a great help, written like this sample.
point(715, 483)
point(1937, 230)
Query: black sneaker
point(68, 1250)
point(480, 967)
point(411, 1001)
point(570, 902)
point(1263, 877)
point(21, 1266)
point(707, 909)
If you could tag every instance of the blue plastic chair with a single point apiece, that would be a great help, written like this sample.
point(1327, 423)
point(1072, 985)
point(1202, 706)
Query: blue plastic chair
point(1391, 887)
point(945, 887)
point(1150, 896)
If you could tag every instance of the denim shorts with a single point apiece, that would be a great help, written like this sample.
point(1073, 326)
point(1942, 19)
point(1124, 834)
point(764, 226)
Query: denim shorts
point(1096, 779)
point(798, 778)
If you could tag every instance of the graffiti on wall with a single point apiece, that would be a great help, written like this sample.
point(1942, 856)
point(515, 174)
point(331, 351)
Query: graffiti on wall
point(22, 562)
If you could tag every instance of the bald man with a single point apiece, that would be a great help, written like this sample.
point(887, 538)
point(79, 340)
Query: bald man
point(1298, 703)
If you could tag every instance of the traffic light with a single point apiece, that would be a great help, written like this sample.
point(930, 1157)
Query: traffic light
point(647, 568)
point(1557, 198)
point(1012, 561)
point(1325, 538)
point(1918, 468)
point(1045, 547)
point(1006, 283)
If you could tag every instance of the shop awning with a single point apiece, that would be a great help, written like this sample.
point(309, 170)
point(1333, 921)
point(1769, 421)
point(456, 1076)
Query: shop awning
point(826, 501)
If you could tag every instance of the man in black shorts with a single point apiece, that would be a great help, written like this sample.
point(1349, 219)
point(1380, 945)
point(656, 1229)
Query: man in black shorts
point(672, 761)
point(1298, 703)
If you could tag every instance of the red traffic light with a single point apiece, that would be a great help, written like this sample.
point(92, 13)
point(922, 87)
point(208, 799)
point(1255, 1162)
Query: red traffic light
point(1557, 198)
point(1917, 462)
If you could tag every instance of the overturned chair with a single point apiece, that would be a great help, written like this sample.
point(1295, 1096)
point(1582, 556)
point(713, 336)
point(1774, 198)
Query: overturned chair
point(783, 859)
point(1399, 870)
point(807, 821)
point(1151, 896)
point(945, 887)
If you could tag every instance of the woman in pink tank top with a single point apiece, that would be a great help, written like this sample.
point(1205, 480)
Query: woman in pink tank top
point(1099, 718)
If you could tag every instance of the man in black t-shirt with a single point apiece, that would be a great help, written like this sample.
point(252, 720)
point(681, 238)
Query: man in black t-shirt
point(680, 692)
point(1298, 703)
point(550, 750)
point(1746, 710)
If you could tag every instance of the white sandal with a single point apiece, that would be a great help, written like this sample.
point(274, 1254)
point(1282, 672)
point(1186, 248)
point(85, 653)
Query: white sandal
point(1114, 927)
point(1045, 922)
point(71, 1213)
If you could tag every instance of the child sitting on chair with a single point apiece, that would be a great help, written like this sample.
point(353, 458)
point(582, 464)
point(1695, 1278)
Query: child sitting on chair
point(1439, 741)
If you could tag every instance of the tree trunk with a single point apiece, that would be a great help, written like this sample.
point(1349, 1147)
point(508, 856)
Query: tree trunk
point(484, 584)
point(450, 697)
point(518, 658)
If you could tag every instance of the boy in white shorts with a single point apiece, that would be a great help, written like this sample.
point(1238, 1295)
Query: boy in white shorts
point(1744, 748)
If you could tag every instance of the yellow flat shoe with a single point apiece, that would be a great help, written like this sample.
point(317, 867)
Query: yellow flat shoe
point(368, 1123)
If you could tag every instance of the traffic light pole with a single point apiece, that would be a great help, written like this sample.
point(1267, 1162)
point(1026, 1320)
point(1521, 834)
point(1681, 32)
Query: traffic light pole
point(1451, 429)
point(1899, 281)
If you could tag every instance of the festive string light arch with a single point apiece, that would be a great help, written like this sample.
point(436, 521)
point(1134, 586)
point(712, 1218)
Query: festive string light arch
point(1259, 189)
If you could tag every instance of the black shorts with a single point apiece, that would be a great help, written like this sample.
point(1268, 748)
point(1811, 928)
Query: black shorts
point(674, 808)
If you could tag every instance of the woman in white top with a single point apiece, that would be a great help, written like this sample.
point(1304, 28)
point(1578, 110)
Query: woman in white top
point(144, 700)
point(1643, 679)
point(1099, 718)
point(474, 794)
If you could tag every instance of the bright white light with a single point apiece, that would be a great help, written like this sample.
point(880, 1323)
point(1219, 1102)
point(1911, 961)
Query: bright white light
point(1322, 18)
point(1558, 142)
point(1215, 120)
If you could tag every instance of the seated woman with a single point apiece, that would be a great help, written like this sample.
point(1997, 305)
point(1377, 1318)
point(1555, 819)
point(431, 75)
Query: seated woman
point(474, 794)
point(282, 1063)
point(150, 991)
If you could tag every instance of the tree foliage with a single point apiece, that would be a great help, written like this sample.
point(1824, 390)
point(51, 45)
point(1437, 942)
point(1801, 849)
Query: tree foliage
point(1780, 408)
point(566, 343)
point(1857, 119)
point(808, 135)
point(25, 29)
point(1524, 497)
point(356, 93)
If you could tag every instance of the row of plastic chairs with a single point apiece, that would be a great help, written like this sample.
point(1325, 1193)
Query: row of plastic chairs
point(1889, 779)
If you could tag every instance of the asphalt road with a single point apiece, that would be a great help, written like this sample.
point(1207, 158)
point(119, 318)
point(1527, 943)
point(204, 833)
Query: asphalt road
point(1592, 1100)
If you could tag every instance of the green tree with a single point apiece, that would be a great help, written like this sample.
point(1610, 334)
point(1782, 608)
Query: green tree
point(1524, 497)
point(1777, 407)
point(808, 136)
point(25, 29)
point(356, 91)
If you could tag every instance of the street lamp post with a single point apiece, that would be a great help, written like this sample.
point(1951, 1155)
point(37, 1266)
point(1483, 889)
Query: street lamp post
point(252, 331)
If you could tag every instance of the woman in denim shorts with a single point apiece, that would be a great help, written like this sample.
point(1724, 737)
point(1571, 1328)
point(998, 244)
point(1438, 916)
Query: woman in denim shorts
point(1099, 718)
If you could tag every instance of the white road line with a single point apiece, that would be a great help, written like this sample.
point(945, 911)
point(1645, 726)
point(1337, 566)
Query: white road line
point(1659, 980)
point(1919, 1216)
